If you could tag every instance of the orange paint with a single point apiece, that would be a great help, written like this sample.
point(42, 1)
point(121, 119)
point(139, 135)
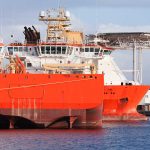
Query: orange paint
point(120, 102)
point(1, 44)
point(53, 91)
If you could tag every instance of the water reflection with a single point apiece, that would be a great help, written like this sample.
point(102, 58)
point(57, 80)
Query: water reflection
point(113, 136)
point(47, 139)
point(115, 124)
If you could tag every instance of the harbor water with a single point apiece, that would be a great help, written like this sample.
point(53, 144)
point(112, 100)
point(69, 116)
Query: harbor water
point(113, 136)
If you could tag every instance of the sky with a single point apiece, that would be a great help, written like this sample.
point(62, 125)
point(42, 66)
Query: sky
point(89, 16)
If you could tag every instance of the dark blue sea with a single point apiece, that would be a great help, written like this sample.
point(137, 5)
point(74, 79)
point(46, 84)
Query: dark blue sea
point(113, 136)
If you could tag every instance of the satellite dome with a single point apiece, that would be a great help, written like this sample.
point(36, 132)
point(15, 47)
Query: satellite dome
point(67, 14)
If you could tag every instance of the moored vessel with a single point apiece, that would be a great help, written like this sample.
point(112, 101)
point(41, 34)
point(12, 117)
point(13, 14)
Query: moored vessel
point(36, 95)
point(51, 101)
point(120, 102)
point(69, 51)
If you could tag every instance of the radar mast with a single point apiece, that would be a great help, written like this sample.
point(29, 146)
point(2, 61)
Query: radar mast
point(58, 22)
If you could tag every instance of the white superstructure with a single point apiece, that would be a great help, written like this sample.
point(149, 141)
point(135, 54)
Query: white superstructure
point(37, 56)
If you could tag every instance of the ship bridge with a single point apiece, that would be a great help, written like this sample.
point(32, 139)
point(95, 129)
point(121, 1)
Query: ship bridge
point(137, 41)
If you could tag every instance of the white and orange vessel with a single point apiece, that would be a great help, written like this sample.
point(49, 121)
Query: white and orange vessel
point(33, 97)
point(69, 51)
point(44, 100)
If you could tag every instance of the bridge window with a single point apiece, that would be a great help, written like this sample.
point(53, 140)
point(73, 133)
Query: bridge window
point(20, 49)
point(58, 50)
point(10, 50)
point(53, 50)
point(36, 51)
point(86, 49)
point(15, 49)
point(81, 49)
point(43, 49)
point(26, 49)
point(48, 50)
point(91, 49)
point(70, 49)
point(63, 50)
point(97, 50)
point(107, 52)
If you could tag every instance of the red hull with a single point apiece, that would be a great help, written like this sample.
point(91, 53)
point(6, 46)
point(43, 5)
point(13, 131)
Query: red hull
point(120, 102)
point(47, 99)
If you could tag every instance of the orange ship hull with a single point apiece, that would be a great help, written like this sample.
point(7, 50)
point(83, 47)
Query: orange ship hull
point(42, 100)
point(120, 102)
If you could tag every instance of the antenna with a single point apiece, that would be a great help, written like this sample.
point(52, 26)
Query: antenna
point(1, 16)
point(58, 21)
point(97, 8)
point(59, 3)
point(96, 20)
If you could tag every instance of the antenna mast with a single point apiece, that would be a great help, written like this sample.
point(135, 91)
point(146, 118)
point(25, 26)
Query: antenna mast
point(57, 21)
